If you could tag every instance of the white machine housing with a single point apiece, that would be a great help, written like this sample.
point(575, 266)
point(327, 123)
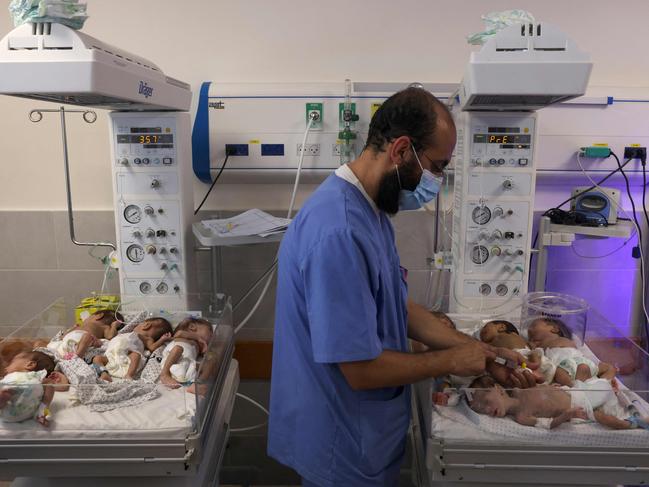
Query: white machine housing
point(152, 182)
point(525, 67)
point(52, 62)
point(493, 209)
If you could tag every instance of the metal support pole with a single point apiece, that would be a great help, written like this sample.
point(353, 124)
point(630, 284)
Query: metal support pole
point(542, 256)
point(216, 276)
point(90, 117)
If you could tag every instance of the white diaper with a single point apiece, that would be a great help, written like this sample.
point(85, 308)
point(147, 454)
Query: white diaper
point(185, 370)
point(27, 395)
point(569, 359)
point(591, 395)
point(117, 354)
point(68, 344)
point(547, 368)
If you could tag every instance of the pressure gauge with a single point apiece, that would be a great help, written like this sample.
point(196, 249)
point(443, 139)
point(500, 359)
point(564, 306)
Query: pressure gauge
point(133, 214)
point(479, 254)
point(485, 289)
point(162, 288)
point(145, 287)
point(481, 215)
point(502, 289)
point(135, 253)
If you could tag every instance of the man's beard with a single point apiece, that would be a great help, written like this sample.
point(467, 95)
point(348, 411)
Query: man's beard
point(387, 198)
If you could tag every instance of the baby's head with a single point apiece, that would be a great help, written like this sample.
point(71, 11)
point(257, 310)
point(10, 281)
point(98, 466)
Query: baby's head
point(496, 327)
point(542, 327)
point(489, 398)
point(154, 328)
point(202, 328)
point(104, 317)
point(30, 362)
point(444, 319)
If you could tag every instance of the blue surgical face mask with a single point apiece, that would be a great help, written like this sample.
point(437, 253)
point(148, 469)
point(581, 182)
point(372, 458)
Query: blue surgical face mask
point(425, 192)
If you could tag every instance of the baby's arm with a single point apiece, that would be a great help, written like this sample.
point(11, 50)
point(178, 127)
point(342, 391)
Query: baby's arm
point(165, 376)
point(190, 335)
point(152, 345)
point(133, 363)
point(87, 341)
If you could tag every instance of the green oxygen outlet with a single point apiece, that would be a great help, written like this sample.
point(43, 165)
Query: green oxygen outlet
point(596, 152)
point(314, 111)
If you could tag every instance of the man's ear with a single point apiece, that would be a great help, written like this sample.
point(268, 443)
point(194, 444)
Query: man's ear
point(399, 150)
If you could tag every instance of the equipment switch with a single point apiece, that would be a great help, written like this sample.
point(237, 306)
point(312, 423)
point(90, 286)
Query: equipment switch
point(161, 233)
point(167, 160)
point(150, 249)
point(124, 161)
point(173, 250)
point(522, 162)
point(146, 161)
point(501, 162)
point(137, 161)
point(493, 161)
point(509, 235)
point(150, 233)
point(148, 210)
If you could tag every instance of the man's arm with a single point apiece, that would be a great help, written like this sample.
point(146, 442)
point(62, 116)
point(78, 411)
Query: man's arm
point(425, 328)
point(392, 369)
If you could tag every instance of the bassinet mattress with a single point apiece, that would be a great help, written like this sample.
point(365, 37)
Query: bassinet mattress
point(169, 416)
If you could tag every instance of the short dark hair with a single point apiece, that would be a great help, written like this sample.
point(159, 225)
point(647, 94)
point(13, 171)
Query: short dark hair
point(509, 326)
point(185, 324)
point(483, 382)
point(43, 361)
point(107, 316)
point(161, 324)
point(412, 112)
point(562, 329)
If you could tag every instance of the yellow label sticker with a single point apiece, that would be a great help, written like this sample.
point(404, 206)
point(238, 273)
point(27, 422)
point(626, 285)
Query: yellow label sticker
point(636, 145)
point(601, 144)
point(526, 130)
point(254, 141)
point(374, 108)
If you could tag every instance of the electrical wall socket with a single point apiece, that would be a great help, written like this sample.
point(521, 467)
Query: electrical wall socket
point(310, 149)
point(336, 149)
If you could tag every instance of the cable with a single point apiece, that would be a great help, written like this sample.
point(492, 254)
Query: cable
point(225, 161)
point(254, 285)
point(644, 193)
point(259, 406)
point(288, 216)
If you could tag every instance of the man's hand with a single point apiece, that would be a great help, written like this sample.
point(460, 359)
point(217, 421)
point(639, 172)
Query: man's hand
point(470, 359)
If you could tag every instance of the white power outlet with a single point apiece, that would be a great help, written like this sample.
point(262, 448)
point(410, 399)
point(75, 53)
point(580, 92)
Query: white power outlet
point(336, 149)
point(309, 149)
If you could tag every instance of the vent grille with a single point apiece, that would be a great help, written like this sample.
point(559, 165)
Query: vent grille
point(516, 100)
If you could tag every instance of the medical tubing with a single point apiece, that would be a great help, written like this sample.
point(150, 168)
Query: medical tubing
point(225, 161)
point(254, 285)
point(288, 216)
point(256, 404)
point(644, 193)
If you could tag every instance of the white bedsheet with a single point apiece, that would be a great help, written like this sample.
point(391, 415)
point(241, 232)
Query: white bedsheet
point(169, 416)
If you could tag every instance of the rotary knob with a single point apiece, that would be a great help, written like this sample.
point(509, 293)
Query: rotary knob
point(173, 250)
point(137, 234)
point(155, 183)
point(123, 161)
point(163, 266)
point(148, 210)
point(496, 251)
point(150, 233)
point(508, 184)
point(497, 211)
point(496, 235)
point(150, 249)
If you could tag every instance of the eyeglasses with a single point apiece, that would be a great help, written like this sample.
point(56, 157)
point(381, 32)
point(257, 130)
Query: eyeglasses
point(436, 166)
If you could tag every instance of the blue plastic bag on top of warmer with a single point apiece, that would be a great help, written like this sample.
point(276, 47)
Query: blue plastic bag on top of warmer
point(67, 12)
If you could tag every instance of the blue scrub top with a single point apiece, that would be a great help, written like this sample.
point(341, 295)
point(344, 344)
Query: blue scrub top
point(341, 297)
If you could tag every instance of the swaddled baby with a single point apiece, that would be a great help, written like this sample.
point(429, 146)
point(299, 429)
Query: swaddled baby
point(546, 406)
point(124, 357)
point(554, 337)
point(22, 392)
point(502, 333)
point(95, 331)
point(190, 340)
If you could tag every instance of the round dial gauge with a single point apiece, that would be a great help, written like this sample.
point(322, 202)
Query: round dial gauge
point(133, 214)
point(145, 287)
point(485, 289)
point(481, 215)
point(135, 253)
point(479, 254)
point(162, 288)
point(501, 289)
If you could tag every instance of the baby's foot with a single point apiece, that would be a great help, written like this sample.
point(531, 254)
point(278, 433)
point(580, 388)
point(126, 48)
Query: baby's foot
point(170, 382)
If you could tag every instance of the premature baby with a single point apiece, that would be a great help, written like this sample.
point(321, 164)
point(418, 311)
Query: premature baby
point(26, 390)
point(191, 338)
point(125, 353)
point(96, 330)
point(501, 333)
point(555, 338)
point(546, 406)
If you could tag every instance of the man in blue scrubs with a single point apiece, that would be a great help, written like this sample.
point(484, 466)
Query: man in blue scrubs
point(340, 400)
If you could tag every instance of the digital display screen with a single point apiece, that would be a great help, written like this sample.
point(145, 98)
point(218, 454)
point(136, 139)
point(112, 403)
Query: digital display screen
point(502, 139)
point(146, 139)
point(504, 130)
point(146, 130)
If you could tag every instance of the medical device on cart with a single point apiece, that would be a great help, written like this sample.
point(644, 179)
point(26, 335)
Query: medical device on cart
point(153, 203)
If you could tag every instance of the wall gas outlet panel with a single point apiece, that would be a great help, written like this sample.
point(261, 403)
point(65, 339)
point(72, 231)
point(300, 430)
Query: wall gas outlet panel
point(153, 200)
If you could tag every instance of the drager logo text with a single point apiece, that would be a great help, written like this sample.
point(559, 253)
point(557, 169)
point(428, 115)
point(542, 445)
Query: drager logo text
point(145, 90)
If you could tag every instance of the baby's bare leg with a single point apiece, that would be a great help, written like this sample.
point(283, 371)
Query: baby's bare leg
point(583, 372)
point(611, 421)
point(87, 340)
point(562, 377)
point(134, 362)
